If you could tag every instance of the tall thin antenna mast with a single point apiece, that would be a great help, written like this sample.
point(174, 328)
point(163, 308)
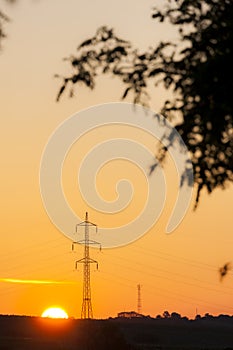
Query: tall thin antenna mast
point(139, 299)
point(86, 312)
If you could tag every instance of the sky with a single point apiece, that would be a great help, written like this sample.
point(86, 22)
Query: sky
point(178, 272)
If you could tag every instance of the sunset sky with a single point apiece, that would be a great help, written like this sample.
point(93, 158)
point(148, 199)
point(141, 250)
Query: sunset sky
point(178, 272)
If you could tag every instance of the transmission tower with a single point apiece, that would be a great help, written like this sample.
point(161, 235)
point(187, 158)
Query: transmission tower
point(86, 312)
point(139, 299)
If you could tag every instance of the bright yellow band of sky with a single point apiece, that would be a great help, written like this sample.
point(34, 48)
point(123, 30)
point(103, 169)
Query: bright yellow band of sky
point(23, 281)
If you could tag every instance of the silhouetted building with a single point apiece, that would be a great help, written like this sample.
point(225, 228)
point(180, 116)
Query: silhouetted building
point(130, 314)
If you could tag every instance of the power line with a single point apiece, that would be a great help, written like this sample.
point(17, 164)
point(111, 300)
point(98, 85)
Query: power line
point(149, 273)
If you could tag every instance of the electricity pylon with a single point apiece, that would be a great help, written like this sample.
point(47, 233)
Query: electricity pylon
point(86, 312)
point(139, 299)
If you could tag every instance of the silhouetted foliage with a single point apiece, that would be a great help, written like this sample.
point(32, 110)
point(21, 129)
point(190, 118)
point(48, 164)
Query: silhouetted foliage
point(198, 71)
point(166, 314)
point(223, 271)
point(175, 315)
point(3, 20)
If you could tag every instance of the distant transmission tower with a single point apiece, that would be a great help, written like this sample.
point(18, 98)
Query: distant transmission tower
point(86, 312)
point(139, 299)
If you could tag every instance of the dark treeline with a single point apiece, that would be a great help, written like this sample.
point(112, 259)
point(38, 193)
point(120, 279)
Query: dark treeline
point(22, 332)
point(166, 332)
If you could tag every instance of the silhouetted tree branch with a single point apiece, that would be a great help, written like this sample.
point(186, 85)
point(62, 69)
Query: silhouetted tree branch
point(199, 72)
point(3, 20)
point(224, 270)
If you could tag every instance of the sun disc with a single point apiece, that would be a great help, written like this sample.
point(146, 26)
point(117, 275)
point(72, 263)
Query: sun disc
point(54, 312)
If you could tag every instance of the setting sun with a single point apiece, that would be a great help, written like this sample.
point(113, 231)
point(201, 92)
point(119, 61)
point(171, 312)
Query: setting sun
point(54, 312)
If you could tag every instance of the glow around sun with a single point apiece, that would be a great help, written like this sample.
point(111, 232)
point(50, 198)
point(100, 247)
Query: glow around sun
point(54, 312)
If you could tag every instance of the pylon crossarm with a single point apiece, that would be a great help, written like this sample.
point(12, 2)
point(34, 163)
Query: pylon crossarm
point(78, 242)
point(82, 241)
point(95, 262)
point(92, 224)
point(92, 261)
point(86, 223)
point(81, 223)
point(76, 264)
point(95, 243)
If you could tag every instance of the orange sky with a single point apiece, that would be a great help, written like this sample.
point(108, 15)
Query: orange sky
point(178, 272)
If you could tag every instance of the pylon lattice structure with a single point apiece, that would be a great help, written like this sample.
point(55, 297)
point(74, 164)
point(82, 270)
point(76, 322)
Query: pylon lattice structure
point(86, 312)
point(139, 299)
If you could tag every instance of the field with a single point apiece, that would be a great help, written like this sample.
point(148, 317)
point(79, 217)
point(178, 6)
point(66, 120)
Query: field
point(35, 333)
